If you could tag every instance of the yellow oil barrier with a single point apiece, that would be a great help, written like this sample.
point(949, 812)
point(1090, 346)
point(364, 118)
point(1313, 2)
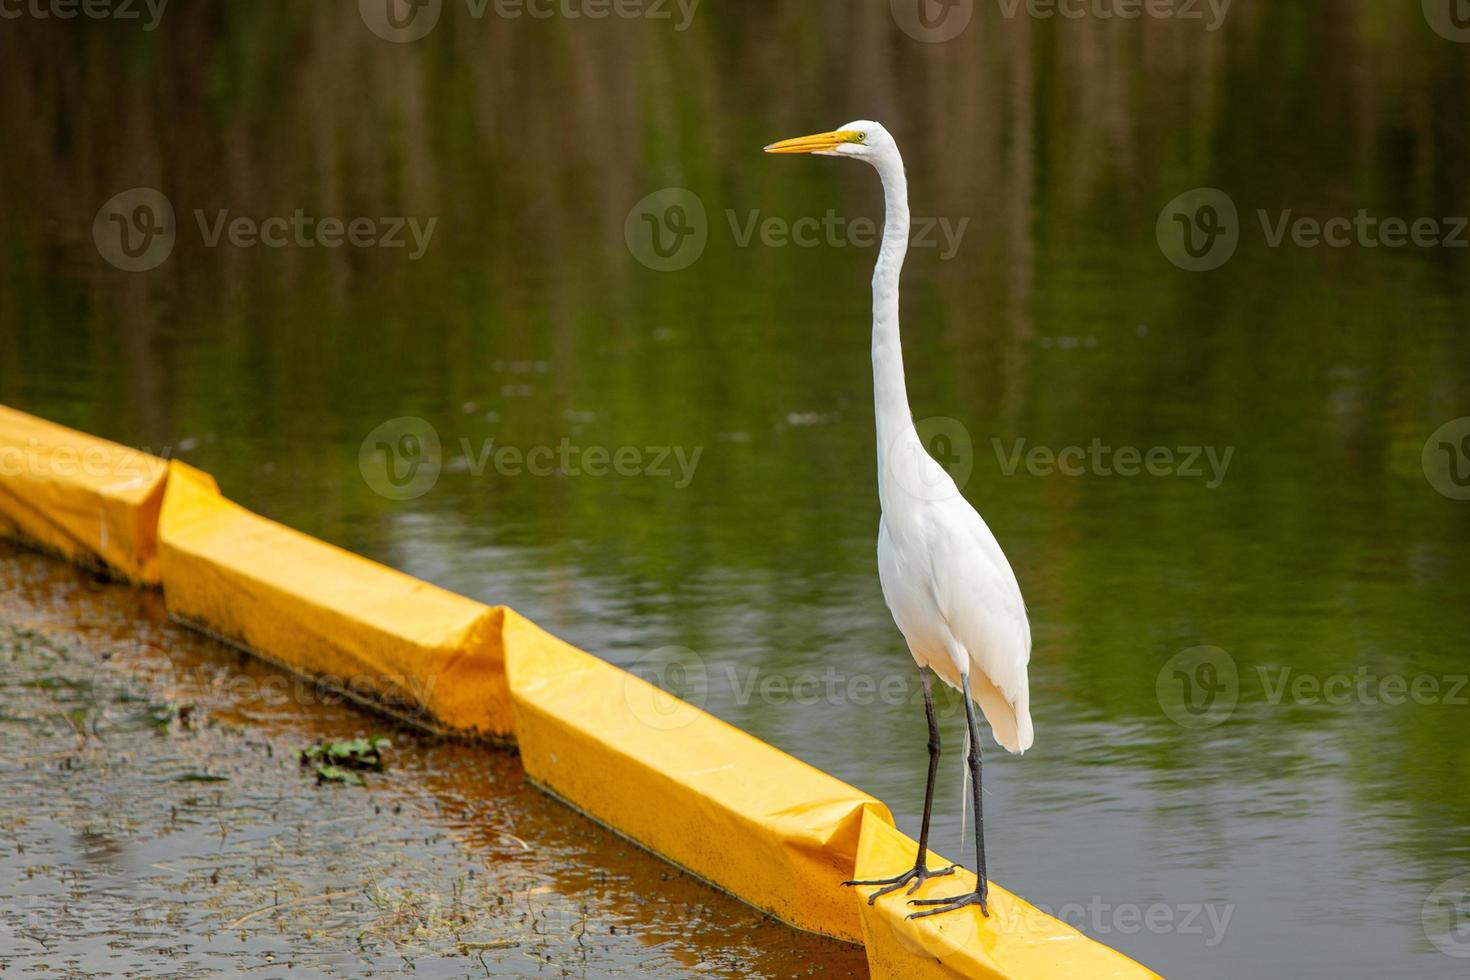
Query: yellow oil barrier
point(718, 802)
point(1017, 940)
point(723, 805)
point(91, 501)
point(378, 635)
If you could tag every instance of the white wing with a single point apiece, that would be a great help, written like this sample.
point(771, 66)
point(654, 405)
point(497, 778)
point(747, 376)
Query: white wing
point(977, 595)
point(955, 598)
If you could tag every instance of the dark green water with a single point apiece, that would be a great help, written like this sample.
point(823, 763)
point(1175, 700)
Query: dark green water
point(1320, 809)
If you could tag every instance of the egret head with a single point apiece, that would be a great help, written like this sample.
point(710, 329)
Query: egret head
point(861, 138)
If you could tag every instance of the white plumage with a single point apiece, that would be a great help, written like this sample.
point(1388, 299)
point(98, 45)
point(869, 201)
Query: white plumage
point(948, 584)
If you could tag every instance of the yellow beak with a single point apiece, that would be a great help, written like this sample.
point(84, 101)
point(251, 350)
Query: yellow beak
point(815, 143)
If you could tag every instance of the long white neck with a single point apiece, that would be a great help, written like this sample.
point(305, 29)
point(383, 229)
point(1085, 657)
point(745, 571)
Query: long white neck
point(890, 396)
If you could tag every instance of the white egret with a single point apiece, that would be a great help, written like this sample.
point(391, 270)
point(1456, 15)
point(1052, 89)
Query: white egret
point(944, 577)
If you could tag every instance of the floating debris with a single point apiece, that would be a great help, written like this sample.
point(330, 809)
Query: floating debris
point(201, 777)
point(166, 717)
point(333, 762)
point(336, 774)
point(800, 420)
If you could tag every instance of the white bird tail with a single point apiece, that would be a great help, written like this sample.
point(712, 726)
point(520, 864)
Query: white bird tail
point(964, 786)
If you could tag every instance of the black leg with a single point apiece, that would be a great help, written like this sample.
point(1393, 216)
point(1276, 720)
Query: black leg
point(926, 676)
point(981, 893)
point(920, 871)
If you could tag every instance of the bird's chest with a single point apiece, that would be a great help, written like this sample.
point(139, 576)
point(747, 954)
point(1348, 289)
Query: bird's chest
point(908, 588)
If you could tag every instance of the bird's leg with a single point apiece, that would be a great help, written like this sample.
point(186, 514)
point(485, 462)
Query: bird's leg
point(982, 885)
point(920, 872)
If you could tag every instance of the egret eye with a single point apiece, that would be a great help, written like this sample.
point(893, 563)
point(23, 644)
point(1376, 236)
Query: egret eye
point(862, 137)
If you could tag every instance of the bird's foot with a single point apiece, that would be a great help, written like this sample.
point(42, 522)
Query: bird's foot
point(917, 875)
point(952, 904)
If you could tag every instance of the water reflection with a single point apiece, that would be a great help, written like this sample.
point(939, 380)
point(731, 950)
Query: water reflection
point(1058, 321)
point(448, 861)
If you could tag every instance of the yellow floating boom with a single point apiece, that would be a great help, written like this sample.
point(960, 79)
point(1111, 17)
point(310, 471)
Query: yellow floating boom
point(725, 806)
